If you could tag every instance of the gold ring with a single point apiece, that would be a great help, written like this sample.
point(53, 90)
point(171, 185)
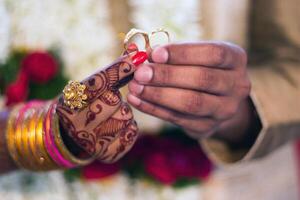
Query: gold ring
point(74, 95)
point(160, 30)
point(132, 33)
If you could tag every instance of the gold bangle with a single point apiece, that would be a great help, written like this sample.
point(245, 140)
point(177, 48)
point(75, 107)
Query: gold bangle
point(10, 134)
point(44, 158)
point(26, 155)
point(31, 136)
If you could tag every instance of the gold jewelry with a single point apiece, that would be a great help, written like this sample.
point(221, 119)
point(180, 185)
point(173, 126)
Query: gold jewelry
point(31, 135)
point(24, 138)
point(25, 153)
point(10, 134)
point(44, 159)
point(74, 95)
point(30, 146)
point(134, 32)
point(160, 30)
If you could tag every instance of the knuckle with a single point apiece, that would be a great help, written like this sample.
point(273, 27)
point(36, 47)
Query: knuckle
point(164, 75)
point(193, 103)
point(154, 94)
point(229, 111)
point(219, 53)
point(244, 88)
point(205, 80)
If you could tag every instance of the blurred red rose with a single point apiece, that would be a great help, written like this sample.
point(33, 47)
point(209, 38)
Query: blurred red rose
point(40, 66)
point(98, 170)
point(17, 91)
point(169, 160)
point(158, 166)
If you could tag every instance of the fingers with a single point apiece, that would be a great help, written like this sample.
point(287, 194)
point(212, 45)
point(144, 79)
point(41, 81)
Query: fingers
point(112, 77)
point(181, 100)
point(210, 54)
point(123, 143)
point(202, 125)
point(187, 77)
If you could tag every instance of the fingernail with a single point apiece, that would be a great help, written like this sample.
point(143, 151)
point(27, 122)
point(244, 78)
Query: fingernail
point(133, 100)
point(139, 58)
point(160, 55)
point(135, 88)
point(143, 74)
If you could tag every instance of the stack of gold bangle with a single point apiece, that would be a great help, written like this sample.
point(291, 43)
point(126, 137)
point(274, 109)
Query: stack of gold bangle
point(34, 139)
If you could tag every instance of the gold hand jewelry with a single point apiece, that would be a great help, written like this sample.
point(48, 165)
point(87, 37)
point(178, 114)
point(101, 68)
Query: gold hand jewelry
point(74, 95)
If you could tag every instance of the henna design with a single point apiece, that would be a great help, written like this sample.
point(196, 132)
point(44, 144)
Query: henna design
point(65, 121)
point(86, 140)
point(113, 74)
point(125, 109)
point(96, 139)
point(110, 127)
point(111, 98)
point(96, 85)
point(91, 114)
point(126, 138)
point(127, 68)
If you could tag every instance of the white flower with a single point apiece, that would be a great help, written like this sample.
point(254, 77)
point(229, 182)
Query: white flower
point(4, 32)
point(180, 18)
point(142, 189)
point(79, 28)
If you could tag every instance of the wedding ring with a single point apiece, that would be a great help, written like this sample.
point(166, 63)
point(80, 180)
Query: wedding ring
point(132, 33)
point(74, 95)
point(160, 30)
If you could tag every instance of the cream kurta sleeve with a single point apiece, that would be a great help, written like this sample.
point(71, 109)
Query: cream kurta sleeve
point(276, 97)
point(274, 36)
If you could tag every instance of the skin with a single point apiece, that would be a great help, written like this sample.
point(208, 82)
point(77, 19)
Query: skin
point(202, 87)
point(105, 128)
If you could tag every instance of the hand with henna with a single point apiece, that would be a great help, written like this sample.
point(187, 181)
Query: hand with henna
point(104, 127)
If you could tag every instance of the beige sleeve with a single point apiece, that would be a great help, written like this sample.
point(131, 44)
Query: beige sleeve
point(276, 97)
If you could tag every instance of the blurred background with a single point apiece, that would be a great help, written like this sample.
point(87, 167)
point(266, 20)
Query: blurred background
point(70, 39)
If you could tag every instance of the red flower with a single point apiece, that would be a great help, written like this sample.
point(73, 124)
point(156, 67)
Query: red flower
point(169, 160)
point(158, 166)
point(17, 91)
point(40, 66)
point(98, 170)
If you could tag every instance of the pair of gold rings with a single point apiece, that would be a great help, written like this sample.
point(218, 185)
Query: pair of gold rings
point(74, 93)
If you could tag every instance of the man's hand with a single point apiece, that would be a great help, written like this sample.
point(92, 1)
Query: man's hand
point(201, 87)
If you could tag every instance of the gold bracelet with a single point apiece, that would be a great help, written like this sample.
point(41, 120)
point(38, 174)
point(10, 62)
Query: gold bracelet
point(26, 139)
point(10, 134)
point(46, 162)
point(26, 155)
point(31, 136)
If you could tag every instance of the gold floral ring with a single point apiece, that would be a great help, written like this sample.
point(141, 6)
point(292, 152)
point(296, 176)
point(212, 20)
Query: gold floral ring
point(74, 95)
